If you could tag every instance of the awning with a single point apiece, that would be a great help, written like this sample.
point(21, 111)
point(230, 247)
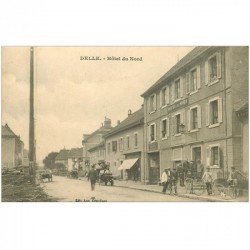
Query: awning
point(127, 164)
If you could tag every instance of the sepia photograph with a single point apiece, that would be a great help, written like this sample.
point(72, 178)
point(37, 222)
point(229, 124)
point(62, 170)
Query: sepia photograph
point(125, 124)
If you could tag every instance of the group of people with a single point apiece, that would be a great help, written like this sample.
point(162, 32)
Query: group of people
point(187, 172)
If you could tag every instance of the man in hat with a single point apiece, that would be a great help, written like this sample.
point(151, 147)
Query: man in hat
point(208, 179)
point(93, 177)
point(164, 181)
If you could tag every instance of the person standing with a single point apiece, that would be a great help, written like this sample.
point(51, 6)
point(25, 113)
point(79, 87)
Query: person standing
point(208, 179)
point(200, 170)
point(173, 180)
point(164, 181)
point(93, 177)
point(181, 174)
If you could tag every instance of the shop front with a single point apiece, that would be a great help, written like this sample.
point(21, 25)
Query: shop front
point(154, 167)
point(131, 167)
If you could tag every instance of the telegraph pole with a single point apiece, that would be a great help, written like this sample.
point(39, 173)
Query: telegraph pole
point(32, 119)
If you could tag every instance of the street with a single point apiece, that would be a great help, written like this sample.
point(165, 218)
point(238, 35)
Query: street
point(65, 189)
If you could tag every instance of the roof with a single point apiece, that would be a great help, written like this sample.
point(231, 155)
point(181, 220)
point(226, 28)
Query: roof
point(75, 153)
point(6, 131)
point(136, 118)
point(63, 154)
point(102, 130)
point(196, 52)
point(101, 144)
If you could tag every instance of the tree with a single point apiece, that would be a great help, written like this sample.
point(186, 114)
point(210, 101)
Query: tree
point(49, 160)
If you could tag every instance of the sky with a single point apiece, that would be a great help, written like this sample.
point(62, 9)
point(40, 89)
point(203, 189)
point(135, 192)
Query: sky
point(73, 96)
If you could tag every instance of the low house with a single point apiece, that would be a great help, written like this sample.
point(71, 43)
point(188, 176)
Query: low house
point(75, 158)
point(124, 146)
point(12, 148)
point(63, 157)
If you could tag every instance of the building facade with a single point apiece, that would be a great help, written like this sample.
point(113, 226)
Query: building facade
point(97, 153)
point(12, 148)
point(124, 147)
point(91, 142)
point(190, 112)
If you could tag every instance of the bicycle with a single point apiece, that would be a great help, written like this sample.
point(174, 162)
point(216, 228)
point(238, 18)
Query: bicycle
point(226, 191)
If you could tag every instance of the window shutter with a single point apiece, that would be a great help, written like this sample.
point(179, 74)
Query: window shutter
point(220, 110)
point(168, 127)
point(207, 114)
point(188, 119)
point(199, 116)
point(183, 117)
point(218, 57)
point(208, 155)
point(187, 83)
point(198, 77)
point(219, 156)
point(172, 92)
point(174, 124)
point(167, 95)
point(206, 73)
point(181, 86)
point(155, 131)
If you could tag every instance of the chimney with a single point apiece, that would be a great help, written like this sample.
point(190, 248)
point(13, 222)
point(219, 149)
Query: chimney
point(118, 122)
point(129, 112)
point(107, 122)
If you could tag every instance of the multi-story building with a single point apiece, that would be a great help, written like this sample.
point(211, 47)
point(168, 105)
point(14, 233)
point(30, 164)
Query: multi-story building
point(97, 153)
point(12, 148)
point(124, 146)
point(91, 141)
point(190, 112)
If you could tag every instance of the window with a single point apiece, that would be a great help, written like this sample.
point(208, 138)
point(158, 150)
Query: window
point(128, 142)
point(178, 123)
point(177, 89)
point(214, 112)
point(152, 131)
point(121, 144)
point(152, 103)
point(165, 128)
point(196, 153)
point(108, 147)
point(114, 146)
point(193, 80)
point(194, 118)
point(215, 156)
point(212, 64)
point(213, 69)
point(136, 140)
point(165, 96)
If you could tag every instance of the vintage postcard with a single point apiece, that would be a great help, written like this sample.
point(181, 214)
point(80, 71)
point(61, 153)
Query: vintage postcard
point(106, 124)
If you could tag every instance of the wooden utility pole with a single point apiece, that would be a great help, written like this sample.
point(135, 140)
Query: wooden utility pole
point(32, 152)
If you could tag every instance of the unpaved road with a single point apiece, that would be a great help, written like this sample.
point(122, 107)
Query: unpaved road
point(65, 189)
